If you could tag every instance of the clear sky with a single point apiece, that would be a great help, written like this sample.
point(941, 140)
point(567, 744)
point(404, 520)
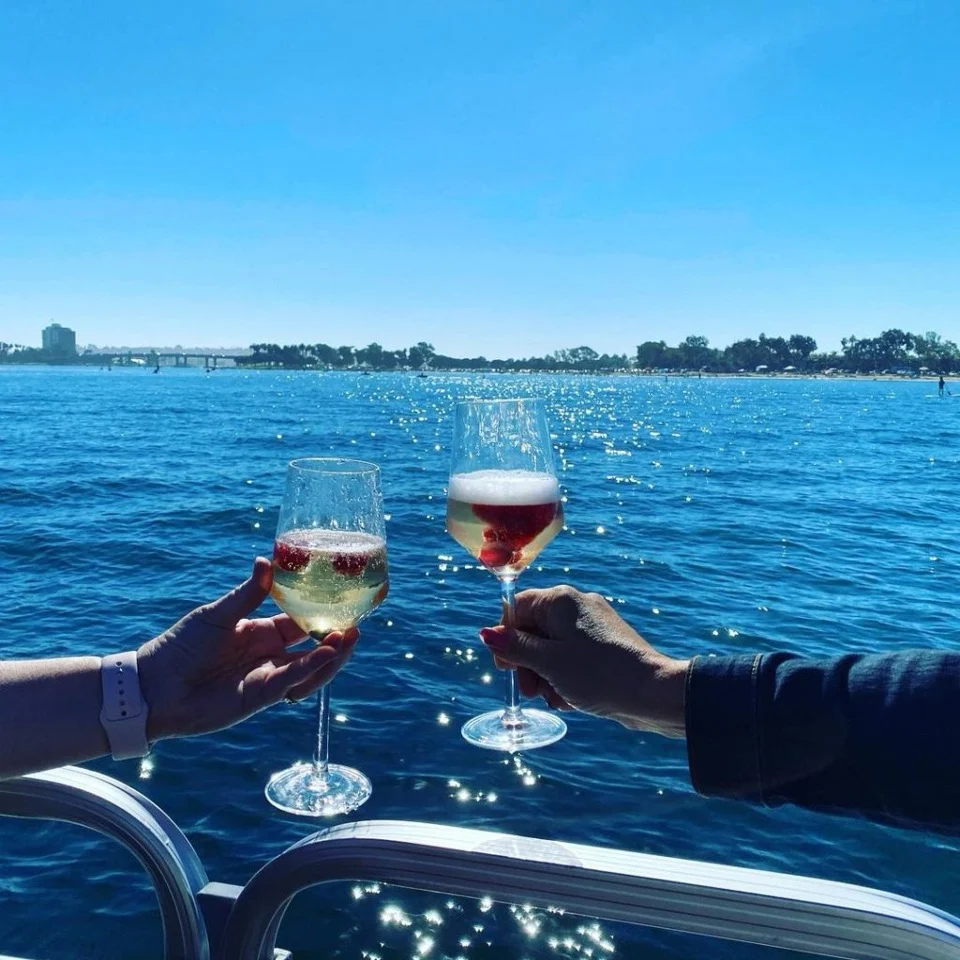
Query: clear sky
point(502, 177)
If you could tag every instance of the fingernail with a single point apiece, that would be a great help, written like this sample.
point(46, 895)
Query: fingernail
point(493, 638)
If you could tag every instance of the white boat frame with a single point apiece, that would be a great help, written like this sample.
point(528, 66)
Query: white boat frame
point(204, 920)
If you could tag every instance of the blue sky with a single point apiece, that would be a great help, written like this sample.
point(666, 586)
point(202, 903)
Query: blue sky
point(496, 176)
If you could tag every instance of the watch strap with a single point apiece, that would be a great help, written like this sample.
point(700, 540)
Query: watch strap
point(123, 715)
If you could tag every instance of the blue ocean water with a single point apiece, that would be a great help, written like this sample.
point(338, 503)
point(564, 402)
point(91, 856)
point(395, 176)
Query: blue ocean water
point(717, 515)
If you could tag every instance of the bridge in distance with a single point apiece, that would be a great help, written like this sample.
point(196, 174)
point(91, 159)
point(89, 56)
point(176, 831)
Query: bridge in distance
point(152, 358)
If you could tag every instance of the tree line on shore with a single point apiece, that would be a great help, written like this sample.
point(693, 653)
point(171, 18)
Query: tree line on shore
point(893, 351)
point(421, 356)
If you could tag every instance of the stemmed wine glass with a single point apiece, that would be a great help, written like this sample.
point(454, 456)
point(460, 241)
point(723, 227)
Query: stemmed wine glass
point(503, 506)
point(329, 572)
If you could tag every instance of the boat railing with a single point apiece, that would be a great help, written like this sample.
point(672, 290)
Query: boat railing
point(203, 919)
point(819, 917)
point(92, 800)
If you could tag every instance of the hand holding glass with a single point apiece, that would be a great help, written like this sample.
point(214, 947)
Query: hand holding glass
point(503, 506)
point(329, 572)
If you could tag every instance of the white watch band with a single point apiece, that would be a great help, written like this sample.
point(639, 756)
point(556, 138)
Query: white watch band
point(124, 714)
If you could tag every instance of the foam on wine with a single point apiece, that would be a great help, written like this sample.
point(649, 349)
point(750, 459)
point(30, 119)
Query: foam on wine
point(513, 488)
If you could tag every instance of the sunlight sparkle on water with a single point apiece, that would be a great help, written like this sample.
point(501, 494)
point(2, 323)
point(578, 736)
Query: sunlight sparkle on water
point(424, 946)
point(392, 915)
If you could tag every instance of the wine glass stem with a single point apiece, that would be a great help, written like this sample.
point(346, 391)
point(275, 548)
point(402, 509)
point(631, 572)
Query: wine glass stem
point(508, 592)
point(321, 757)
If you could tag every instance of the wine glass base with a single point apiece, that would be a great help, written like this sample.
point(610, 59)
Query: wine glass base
point(298, 790)
point(531, 729)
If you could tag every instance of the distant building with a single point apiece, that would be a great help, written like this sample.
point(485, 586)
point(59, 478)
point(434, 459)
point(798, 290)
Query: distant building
point(61, 341)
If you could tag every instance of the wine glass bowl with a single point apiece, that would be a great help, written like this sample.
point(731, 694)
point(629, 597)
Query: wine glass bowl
point(505, 537)
point(328, 580)
point(329, 572)
point(503, 507)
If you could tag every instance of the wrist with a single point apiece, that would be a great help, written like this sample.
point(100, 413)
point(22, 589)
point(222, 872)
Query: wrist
point(671, 680)
point(158, 724)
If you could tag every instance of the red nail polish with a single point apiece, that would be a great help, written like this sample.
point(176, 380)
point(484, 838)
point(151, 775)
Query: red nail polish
point(493, 639)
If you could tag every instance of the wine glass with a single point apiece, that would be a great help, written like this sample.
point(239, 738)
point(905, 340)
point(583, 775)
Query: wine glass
point(329, 572)
point(503, 506)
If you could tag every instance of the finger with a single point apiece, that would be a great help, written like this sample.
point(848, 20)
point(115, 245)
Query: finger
point(533, 611)
point(548, 612)
point(517, 647)
point(527, 681)
point(319, 679)
point(244, 599)
point(550, 695)
point(343, 647)
point(342, 638)
point(531, 684)
point(335, 641)
point(350, 638)
point(286, 678)
point(344, 644)
point(289, 632)
point(270, 632)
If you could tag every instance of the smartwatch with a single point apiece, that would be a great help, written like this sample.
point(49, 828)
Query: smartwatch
point(124, 713)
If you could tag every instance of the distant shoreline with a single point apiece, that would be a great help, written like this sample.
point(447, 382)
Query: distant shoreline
point(672, 375)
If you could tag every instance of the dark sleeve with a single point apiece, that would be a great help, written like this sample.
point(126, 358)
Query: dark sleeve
point(876, 735)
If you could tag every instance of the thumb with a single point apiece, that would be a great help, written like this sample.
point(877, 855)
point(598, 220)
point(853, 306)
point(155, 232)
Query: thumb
point(517, 647)
point(243, 599)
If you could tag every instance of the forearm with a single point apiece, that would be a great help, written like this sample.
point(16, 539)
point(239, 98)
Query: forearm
point(49, 714)
point(877, 735)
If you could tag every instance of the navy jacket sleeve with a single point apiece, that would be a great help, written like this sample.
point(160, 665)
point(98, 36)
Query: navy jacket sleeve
point(877, 735)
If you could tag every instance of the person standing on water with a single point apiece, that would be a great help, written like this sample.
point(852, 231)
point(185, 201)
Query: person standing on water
point(943, 383)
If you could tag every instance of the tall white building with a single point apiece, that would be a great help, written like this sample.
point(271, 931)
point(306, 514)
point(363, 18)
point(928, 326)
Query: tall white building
point(58, 340)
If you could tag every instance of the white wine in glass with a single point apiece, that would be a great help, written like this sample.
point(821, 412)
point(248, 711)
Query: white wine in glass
point(504, 507)
point(329, 572)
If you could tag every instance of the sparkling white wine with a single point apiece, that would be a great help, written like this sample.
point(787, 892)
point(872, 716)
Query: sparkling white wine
point(504, 517)
point(328, 579)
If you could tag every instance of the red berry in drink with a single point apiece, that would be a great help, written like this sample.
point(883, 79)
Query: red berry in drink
point(349, 564)
point(289, 557)
point(515, 524)
point(496, 555)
